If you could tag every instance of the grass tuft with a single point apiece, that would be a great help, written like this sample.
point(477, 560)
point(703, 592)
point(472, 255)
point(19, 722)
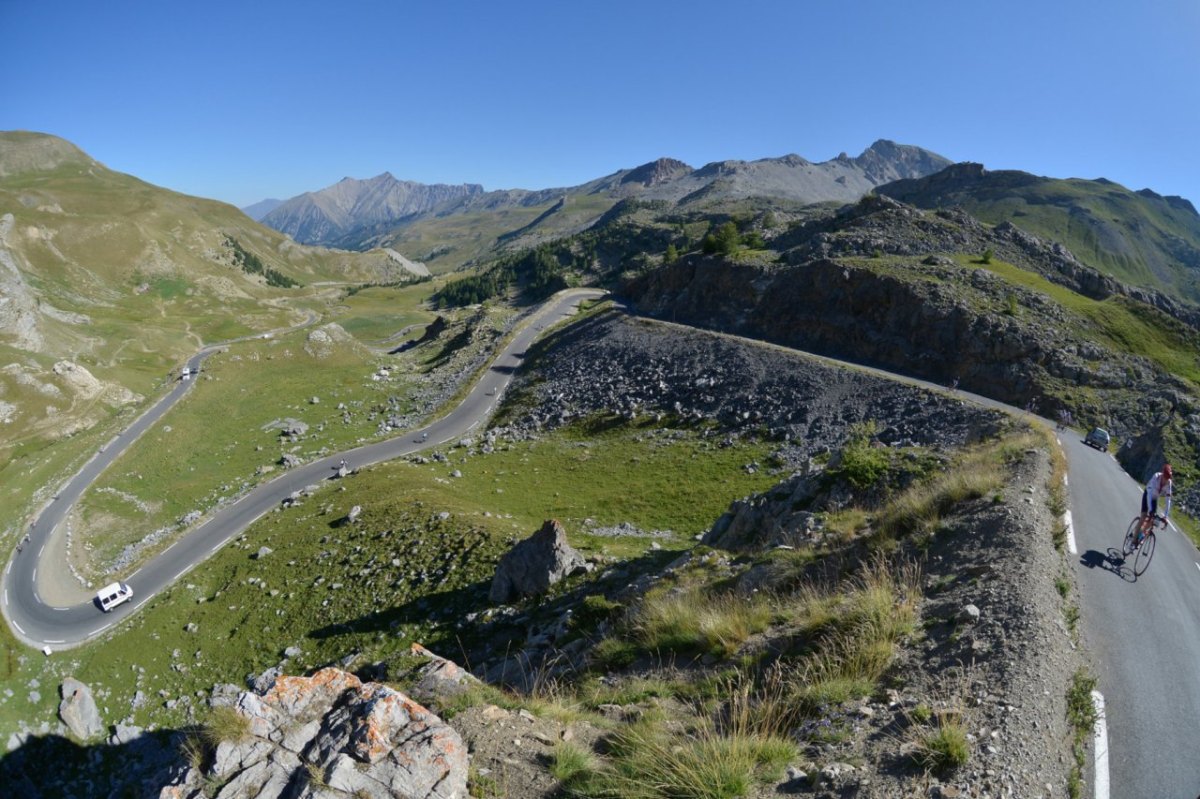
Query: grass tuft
point(226, 725)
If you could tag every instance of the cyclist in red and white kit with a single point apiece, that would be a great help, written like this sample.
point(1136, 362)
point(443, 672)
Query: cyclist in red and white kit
point(1160, 485)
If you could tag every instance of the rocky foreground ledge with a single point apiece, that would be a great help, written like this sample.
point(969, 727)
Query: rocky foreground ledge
point(328, 735)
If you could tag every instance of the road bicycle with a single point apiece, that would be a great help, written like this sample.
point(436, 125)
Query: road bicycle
point(1142, 551)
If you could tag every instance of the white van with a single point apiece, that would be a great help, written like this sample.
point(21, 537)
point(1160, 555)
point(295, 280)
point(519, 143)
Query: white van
point(114, 594)
point(186, 374)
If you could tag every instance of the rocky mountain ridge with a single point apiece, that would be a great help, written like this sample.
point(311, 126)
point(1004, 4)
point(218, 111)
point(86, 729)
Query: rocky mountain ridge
point(872, 285)
point(1139, 237)
point(328, 215)
point(342, 215)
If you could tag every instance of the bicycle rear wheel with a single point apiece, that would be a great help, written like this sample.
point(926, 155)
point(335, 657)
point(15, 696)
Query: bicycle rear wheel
point(1144, 554)
point(1127, 546)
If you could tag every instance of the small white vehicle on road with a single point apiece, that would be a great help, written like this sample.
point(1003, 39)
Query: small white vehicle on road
point(113, 594)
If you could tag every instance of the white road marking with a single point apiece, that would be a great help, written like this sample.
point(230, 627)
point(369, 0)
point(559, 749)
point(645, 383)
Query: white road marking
point(1070, 533)
point(40, 551)
point(35, 575)
point(6, 596)
point(1101, 745)
point(474, 424)
point(64, 610)
point(1066, 482)
point(176, 577)
point(48, 641)
point(8, 568)
point(218, 546)
point(14, 624)
point(1197, 566)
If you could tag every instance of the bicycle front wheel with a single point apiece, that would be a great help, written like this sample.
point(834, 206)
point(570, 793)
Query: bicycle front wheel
point(1130, 536)
point(1144, 554)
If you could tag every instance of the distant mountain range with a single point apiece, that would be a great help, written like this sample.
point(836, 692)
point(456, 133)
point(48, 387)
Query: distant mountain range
point(357, 214)
point(327, 216)
point(261, 209)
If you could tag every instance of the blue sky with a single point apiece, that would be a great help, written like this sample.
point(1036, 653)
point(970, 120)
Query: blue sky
point(240, 101)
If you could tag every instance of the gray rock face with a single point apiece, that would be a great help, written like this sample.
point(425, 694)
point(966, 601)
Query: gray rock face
point(769, 519)
point(535, 564)
point(78, 710)
point(331, 735)
point(439, 678)
point(323, 217)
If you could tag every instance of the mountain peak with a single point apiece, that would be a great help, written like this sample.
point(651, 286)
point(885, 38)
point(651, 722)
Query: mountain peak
point(27, 151)
point(658, 171)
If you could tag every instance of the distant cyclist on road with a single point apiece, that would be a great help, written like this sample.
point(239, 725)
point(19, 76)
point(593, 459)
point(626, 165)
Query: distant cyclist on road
point(1160, 485)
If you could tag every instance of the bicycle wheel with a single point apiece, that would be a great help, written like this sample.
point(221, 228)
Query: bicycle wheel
point(1127, 546)
point(1144, 554)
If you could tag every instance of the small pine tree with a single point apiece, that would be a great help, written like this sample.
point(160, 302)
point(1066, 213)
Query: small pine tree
point(986, 258)
point(672, 254)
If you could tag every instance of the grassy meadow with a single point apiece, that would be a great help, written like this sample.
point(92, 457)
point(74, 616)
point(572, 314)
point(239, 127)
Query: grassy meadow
point(402, 573)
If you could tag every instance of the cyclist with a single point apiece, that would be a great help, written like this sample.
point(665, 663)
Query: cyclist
point(1160, 485)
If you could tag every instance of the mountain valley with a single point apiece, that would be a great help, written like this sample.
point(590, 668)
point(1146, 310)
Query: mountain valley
point(771, 573)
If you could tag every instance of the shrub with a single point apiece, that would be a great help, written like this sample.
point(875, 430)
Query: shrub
point(723, 241)
point(861, 462)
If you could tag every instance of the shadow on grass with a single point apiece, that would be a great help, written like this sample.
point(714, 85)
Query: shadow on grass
point(477, 640)
point(53, 766)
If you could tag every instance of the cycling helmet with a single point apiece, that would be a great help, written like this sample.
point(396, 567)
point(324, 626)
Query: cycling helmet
point(1167, 470)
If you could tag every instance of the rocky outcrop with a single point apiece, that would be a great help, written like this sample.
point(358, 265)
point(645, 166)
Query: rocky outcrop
point(331, 735)
point(78, 710)
point(535, 564)
point(439, 678)
point(936, 322)
point(779, 517)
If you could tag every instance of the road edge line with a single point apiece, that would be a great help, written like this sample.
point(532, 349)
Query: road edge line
point(1100, 738)
point(1070, 533)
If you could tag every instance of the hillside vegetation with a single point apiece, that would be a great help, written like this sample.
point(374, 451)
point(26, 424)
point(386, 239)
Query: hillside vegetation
point(1138, 237)
point(110, 282)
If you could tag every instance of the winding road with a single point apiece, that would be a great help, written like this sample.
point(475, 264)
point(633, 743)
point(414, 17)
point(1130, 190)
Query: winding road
point(1144, 632)
point(50, 627)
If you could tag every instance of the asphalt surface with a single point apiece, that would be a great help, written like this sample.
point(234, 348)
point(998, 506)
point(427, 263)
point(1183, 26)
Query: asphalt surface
point(43, 625)
point(1144, 631)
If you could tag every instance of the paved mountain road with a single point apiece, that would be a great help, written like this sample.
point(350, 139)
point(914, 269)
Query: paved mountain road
point(42, 624)
point(1145, 633)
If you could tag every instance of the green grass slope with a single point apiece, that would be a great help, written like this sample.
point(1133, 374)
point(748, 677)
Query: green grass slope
point(110, 283)
point(1140, 238)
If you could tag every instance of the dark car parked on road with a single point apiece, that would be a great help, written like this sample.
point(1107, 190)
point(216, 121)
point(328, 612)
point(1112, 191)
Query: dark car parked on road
point(1097, 438)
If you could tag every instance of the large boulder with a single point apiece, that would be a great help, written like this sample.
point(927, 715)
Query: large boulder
point(536, 563)
point(78, 710)
point(332, 735)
